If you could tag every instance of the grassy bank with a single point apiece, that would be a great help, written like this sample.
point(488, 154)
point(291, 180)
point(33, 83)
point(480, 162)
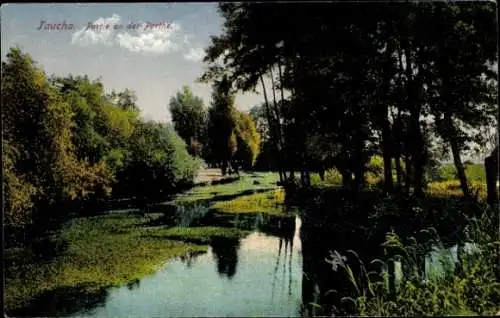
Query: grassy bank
point(468, 287)
point(90, 254)
point(251, 193)
point(270, 202)
point(412, 229)
point(98, 252)
point(246, 184)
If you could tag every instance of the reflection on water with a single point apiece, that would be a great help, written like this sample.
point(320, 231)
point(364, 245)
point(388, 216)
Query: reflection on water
point(261, 275)
point(225, 252)
point(443, 260)
point(134, 284)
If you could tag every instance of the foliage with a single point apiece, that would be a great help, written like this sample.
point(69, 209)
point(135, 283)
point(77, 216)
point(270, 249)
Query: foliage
point(66, 141)
point(221, 123)
point(247, 140)
point(451, 188)
point(367, 95)
point(243, 185)
point(271, 202)
point(474, 172)
point(199, 234)
point(190, 119)
point(38, 130)
point(332, 177)
point(457, 291)
point(17, 191)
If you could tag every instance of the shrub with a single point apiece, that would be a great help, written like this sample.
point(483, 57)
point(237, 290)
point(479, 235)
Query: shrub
point(158, 162)
point(451, 188)
point(332, 177)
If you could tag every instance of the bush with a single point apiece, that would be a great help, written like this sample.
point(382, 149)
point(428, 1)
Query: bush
point(158, 163)
point(474, 172)
point(451, 188)
point(332, 177)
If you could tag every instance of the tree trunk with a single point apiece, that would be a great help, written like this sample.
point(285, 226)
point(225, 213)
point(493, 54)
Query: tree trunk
point(223, 168)
point(460, 168)
point(359, 169)
point(322, 172)
point(491, 165)
point(278, 129)
point(346, 178)
point(417, 154)
point(387, 155)
point(408, 175)
point(491, 168)
point(413, 92)
point(399, 170)
point(386, 125)
point(279, 162)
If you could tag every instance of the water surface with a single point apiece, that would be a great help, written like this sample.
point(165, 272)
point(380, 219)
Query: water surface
point(260, 275)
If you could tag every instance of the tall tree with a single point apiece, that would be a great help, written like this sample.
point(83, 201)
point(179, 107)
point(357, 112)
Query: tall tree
point(221, 124)
point(190, 118)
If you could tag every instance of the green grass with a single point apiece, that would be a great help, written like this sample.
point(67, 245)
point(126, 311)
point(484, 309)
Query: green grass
point(200, 235)
point(267, 181)
point(240, 201)
point(474, 172)
point(270, 202)
point(451, 188)
point(101, 251)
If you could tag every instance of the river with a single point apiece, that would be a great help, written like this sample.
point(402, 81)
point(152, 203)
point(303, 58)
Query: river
point(272, 271)
point(260, 275)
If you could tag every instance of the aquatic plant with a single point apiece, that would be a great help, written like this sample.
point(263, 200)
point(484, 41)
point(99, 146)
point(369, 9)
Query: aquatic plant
point(190, 213)
point(101, 251)
point(465, 286)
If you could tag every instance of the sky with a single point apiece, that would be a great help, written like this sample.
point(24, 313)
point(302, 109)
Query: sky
point(155, 58)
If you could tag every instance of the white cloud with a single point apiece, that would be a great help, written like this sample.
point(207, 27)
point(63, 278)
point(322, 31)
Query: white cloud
point(194, 54)
point(87, 36)
point(147, 38)
point(152, 40)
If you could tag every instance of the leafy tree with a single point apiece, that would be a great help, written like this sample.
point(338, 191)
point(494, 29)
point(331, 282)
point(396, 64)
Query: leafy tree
point(190, 119)
point(126, 99)
point(65, 141)
point(247, 141)
point(37, 127)
point(221, 124)
point(157, 164)
point(384, 87)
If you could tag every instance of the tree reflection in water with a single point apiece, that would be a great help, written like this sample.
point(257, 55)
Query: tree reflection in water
point(190, 257)
point(285, 229)
point(225, 253)
point(133, 284)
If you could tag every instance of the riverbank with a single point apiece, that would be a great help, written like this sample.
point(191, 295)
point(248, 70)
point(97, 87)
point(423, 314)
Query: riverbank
point(90, 254)
point(406, 230)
